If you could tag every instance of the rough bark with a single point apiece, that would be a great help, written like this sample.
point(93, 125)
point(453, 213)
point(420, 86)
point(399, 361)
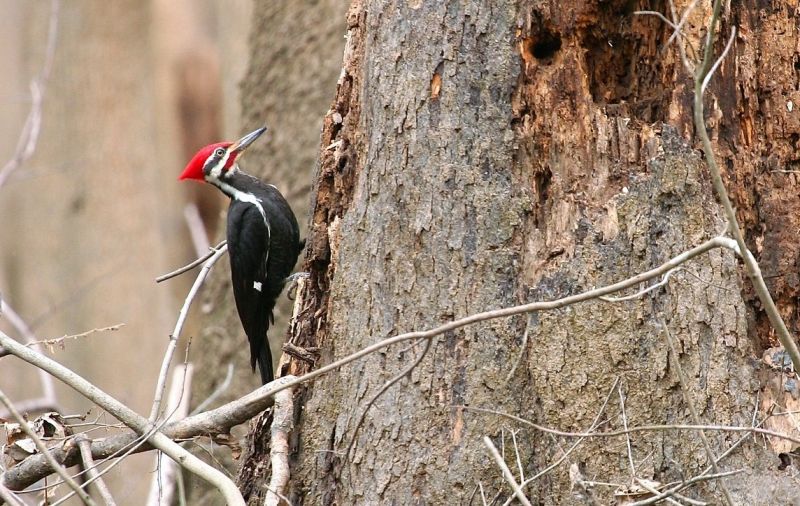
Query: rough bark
point(482, 154)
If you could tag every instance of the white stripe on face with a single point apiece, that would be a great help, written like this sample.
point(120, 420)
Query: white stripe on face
point(216, 172)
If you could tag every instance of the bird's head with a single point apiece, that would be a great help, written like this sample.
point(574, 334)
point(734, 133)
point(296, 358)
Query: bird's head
point(215, 160)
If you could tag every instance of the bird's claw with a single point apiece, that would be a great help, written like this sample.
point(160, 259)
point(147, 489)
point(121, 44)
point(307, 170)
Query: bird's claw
point(292, 281)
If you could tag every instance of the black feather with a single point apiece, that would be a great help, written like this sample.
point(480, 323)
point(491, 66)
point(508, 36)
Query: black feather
point(261, 257)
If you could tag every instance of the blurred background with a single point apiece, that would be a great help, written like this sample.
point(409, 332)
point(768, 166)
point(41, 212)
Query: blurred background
point(129, 90)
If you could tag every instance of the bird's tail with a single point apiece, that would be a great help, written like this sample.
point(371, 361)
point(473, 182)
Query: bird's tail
point(264, 360)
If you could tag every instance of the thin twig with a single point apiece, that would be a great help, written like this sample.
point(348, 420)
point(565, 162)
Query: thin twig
point(519, 458)
point(226, 383)
point(592, 427)
point(692, 410)
point(632, 430)
point(656, 14)
point(26, 144)
point(192, 265)
point(130, 418)
point(664, 281)
point(625, 426)
point(681, 49)
point(85, 446)
point(687, 483)
point(43, 450)
point(10, 497)
point(679, 27)
point(120, 454)
point(386, 386)
point(719, 60)
point(162, 487)
point(522, 348)
point(60, 340)
point(716, 242)
point(176, 332)
point(197, 229)
point(48, 389)
point(506, 471)
point(642, 483)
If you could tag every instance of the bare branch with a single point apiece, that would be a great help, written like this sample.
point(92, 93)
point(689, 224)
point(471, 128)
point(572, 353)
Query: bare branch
point(85, 447)
point(216, 421)
point(717, 63)
point(48, 400)
point(176, 332)
point(10, 497)
point(130, 418)
point(162, 488)
point(283, 416)
point(197, 229)
point(518, 456)
point(44, 451)
point(681, 49)
point(677, 28)
point(716, 242)
point(226, 383)
point(645, 485)
point(483, 495)
point(656, 14)
point(506, 471)
point(191, 265)
point(26, 145)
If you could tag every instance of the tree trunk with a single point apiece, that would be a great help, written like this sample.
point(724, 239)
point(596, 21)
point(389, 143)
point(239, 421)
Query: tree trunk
point(483, 154)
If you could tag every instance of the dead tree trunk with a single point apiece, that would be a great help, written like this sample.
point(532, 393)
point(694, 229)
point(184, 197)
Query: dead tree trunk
point(483, 154)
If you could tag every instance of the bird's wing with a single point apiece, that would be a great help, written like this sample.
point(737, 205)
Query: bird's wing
point(248, 244)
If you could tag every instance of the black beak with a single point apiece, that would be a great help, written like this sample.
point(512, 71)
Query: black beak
point(245, 141)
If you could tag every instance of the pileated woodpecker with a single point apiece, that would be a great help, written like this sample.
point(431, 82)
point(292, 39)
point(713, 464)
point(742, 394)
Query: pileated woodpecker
point(263, 239)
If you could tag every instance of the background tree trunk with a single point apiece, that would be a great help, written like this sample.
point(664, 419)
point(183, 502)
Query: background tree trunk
point(96, 214)
point(484, 154)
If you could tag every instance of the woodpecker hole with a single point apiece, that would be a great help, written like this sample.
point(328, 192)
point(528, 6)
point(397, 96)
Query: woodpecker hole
point(541, 47)
point(547, 46)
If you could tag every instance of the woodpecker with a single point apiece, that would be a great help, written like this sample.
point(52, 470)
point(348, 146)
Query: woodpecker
point(263, 239)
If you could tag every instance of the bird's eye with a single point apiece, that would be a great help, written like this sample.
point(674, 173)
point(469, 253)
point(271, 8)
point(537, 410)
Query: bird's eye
point(219, 152)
